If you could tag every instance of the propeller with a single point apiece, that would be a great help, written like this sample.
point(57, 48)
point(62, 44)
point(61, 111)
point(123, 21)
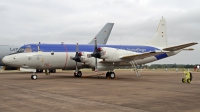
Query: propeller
point(96, 54)
point(77, 57)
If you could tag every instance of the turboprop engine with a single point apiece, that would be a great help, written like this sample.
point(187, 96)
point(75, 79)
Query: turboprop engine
point(111, 54)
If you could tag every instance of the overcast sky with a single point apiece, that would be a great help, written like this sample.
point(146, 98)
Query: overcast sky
point(72, 21)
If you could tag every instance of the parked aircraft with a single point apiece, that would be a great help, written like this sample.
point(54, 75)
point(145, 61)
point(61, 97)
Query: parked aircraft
point(5, 50)
point(98, 57)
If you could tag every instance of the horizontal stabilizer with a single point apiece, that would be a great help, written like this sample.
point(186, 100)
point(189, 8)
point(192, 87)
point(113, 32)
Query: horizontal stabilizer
point(179, 47)
point(141, 56)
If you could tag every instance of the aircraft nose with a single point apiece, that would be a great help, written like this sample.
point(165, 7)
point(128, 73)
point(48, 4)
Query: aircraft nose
point(7, 59)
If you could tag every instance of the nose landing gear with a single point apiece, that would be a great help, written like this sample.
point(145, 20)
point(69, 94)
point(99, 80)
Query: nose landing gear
point(34, 76)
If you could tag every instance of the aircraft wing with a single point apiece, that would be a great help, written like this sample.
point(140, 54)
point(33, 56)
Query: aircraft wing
point(179, 47)
point(141, 56)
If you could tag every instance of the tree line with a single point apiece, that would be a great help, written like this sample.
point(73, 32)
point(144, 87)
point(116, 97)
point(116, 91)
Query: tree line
point(155, 66)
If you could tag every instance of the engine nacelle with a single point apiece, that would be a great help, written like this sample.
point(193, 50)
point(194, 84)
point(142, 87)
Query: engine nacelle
point(113, 54)
point(104, 68)
point(83, 57)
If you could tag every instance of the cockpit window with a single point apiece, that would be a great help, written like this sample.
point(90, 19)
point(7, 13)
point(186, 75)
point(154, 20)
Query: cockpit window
point(28, 49)
point(20, 50)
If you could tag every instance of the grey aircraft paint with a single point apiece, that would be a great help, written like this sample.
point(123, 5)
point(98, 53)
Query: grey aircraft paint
point(6, 50)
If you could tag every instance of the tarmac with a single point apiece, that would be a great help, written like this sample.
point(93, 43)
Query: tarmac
point(154, 91)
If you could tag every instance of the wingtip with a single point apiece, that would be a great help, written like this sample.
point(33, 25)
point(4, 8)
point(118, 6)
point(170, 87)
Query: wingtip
point(195, 42)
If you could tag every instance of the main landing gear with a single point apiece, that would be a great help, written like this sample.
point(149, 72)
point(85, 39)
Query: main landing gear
point(47, 72)
point(41, 71)
point(79, 74)
point(34, 76)
point(110, 75)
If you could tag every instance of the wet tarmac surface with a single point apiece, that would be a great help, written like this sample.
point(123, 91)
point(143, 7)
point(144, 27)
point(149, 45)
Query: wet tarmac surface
point(154, 91)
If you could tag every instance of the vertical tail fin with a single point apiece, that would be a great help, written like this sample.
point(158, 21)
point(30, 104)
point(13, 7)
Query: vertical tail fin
point(160, 39)
point(103, 34)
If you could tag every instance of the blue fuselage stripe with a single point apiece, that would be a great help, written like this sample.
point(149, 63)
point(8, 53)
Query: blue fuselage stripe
point(87, 48)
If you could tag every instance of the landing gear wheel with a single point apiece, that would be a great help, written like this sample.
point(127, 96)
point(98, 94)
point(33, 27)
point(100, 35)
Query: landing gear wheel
point(53, 71)
point(107, 74)
point(40, 71)
point(75, 75)
point(47, 72)
point(79, 74)
point(183, 80)
point(33, 77)
point(112, 75)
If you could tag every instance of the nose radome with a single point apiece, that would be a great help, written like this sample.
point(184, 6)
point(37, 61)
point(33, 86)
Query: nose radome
point(6, 59)
point(3, 60)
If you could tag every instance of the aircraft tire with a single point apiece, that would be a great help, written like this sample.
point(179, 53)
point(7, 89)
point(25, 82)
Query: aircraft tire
point(41, 71)
point(79, 74)
point(112, 75)
point(107, 74)
point(47, 72)
point(75, 75)
point(33, 77)
point(53, 71)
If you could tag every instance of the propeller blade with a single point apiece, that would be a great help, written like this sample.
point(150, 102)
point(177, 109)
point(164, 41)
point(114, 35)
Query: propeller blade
point(77, 47)
point(96, 70)
point(76, 55)
point(95, 57)
point(76, 69)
